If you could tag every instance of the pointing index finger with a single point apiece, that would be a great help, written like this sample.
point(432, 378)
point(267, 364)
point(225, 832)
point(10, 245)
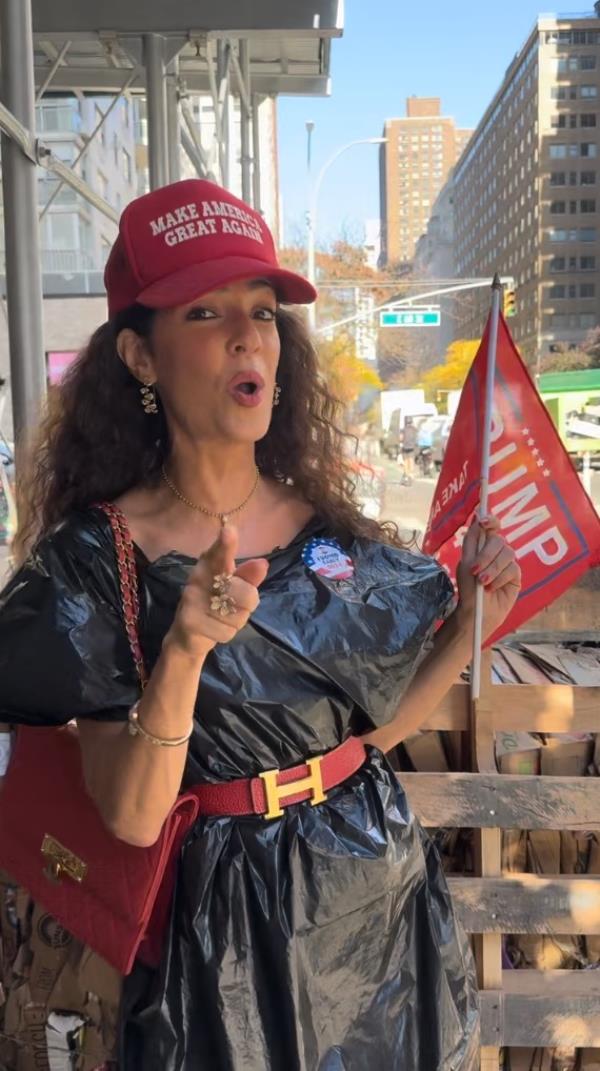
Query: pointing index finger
point(221, 556)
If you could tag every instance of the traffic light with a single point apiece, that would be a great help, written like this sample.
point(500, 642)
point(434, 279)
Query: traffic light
point(509, 304)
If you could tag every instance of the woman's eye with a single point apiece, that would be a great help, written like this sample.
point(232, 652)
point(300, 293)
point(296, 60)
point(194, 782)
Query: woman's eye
point(266, 314)
point(200, 313)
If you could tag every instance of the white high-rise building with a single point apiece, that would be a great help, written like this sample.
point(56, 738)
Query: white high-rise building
point(75, 237)
point(204, 114)
point(372, 243)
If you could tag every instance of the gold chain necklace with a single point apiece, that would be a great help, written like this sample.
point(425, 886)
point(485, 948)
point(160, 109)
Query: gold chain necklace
point(223, 517)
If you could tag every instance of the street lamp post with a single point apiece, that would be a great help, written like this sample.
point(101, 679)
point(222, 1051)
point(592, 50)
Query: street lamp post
point(310, 270)
point(311, 214)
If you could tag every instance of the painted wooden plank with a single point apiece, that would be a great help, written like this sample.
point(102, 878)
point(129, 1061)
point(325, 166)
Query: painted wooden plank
point(528, 903)
point(551, 708)
point(507, 801)
point(543, 1008)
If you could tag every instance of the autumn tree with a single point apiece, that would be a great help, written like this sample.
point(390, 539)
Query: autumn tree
point(341, 270)
point(451, 374)
point(344, 264)
point(565, 360)
point(591, 346)
point(347, 376)
point(403, 352)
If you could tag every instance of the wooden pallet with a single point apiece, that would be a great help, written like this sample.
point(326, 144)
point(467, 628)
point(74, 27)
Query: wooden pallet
point(519, 1008)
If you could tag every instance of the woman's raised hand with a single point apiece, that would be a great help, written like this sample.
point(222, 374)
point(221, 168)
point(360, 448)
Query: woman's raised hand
point(218, 597)
point(495, 567)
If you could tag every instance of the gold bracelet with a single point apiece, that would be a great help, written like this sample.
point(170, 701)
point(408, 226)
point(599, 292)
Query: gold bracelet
point(136, 729)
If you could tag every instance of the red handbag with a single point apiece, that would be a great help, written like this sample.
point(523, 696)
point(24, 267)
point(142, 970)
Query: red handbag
point(111, 895)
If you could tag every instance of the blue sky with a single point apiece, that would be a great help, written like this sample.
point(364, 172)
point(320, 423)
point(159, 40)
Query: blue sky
point(391, 49)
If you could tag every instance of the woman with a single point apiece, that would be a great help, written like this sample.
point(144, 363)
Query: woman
point(409, 446)
point(278, 624)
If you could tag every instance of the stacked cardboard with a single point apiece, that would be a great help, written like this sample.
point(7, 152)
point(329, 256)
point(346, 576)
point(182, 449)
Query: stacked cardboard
point(58, 1000)
point(520, 662)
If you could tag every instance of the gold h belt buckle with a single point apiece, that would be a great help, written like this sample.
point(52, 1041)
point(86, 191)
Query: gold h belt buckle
point(276, 793)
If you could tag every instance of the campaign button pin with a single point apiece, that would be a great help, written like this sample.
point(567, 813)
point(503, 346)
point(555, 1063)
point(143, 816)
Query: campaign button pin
point(326, 558)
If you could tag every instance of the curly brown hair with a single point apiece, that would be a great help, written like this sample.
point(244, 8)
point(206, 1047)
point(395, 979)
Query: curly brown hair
point(96, 442)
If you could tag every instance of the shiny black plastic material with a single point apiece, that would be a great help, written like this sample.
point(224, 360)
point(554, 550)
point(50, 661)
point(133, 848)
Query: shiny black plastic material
point(320, 941)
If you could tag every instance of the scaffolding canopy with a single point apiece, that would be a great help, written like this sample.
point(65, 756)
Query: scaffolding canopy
point(289, 43)
point(234, 51)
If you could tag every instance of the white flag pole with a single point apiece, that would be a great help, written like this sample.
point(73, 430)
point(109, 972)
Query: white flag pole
point(485, 475)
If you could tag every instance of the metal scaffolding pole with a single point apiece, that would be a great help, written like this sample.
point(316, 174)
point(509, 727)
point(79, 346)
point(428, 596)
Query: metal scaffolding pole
point(200, 157)
point(57, 62)
point(173, 132)
point(192, 154)
point(88, 141)
point(156, 97)
point(23, 261)
point(76, 183)
point(242, 71)
point(210, 66)
point(223, 58)
point(39, 153)
point(256, 201)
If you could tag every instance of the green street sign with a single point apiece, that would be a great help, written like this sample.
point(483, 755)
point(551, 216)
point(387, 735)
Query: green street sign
point(410, 318)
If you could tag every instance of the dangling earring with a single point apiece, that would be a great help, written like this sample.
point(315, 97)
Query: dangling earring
point(149, 399)
point(276, 394)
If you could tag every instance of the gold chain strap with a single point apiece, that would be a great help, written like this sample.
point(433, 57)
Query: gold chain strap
point(128, 583)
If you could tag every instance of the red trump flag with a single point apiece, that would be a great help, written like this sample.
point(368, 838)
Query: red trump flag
point(544, 512)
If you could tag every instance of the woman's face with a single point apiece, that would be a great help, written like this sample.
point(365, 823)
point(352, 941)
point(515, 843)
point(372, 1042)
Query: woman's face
point(215, 362)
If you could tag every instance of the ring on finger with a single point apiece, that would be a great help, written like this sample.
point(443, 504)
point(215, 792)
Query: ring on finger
point(223, 605)
point(222, 582)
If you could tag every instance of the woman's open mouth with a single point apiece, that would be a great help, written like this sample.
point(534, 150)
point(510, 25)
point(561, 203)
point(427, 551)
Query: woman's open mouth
point(247, 389)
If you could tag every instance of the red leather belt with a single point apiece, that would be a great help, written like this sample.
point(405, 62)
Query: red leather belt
point(272, 790)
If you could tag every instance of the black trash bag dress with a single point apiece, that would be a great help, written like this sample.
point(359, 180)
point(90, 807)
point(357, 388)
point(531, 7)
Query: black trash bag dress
point(323, 940)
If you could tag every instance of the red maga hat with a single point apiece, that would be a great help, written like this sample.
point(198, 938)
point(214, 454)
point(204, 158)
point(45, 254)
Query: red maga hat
point(183, 240)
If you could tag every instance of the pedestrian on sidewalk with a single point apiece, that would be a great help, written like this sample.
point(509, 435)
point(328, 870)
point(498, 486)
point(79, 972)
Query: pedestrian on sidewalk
point(409, 446)
point(281, 630)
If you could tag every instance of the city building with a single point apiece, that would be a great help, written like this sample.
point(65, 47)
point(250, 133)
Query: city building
point(76, 237)
point(373, 243)
point(203, 111)
point(415, 160)
point(525, 191)
point(435, 260)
